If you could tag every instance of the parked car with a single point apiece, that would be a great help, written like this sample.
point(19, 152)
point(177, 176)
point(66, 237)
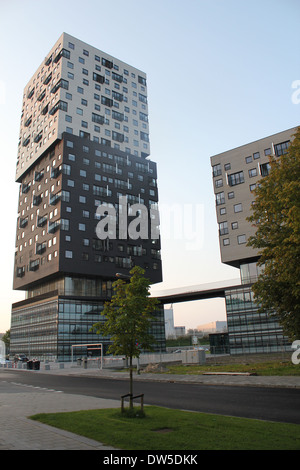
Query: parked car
point(20, 357)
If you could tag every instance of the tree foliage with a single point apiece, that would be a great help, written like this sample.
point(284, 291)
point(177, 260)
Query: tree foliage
point(276, 217)
point(128, 317)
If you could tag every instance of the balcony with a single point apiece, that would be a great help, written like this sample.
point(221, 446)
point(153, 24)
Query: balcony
point(60, 105)
point(23, 222)
point(55, 172)
point(45, 110)
point(34, 265)
point(48, 60)
point(38, 137)
point(42, 96)
point(62, 53)
point(41, 221)
point(30, 93)
point(20, 271)
point(47, 79)
point(26, 141)
point(53, 226)
point(36, 200)
point(54, 198)
point(25, 188)
point(28, 121)
point(60, 84)
point(38, 175)
point(98, 78)
point(40, 248)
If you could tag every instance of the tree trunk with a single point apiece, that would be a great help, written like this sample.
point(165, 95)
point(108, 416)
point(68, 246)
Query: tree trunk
point(130, 384)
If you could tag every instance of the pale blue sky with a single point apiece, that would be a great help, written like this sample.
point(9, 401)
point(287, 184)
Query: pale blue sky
point(220, 75)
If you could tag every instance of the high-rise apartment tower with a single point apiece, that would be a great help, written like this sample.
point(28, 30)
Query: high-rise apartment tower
point(83, 145)
point(236, 173)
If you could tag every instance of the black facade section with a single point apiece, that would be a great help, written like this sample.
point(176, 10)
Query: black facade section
point(94, 176)
point(58, 202)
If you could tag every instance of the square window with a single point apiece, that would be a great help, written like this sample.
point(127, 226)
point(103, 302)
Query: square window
point(238, 208)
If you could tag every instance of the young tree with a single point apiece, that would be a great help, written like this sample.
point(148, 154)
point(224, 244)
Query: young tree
point(128, 319)
point(276, 217)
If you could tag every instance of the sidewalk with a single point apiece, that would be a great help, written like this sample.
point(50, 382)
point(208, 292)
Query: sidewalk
point(18, 401)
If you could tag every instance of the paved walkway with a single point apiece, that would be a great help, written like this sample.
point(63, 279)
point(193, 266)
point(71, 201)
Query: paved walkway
point(18, 401)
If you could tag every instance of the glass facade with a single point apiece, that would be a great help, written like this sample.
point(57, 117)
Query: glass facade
point(251, 331)
point(34, 329)
point(48, 328)
point(73, 285)
point(250, 272)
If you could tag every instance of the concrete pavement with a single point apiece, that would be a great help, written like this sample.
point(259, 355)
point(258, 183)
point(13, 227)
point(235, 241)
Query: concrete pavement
point(18, 401)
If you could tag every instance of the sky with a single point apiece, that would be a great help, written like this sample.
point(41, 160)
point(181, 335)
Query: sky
point(220, 74)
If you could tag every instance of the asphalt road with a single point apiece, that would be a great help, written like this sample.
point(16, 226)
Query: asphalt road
point(273, 404)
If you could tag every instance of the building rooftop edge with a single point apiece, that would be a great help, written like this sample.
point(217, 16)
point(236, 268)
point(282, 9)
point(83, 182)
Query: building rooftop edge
point(253, 142)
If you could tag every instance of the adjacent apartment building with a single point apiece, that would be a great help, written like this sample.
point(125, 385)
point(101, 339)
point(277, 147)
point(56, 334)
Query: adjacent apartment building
point(235, 175)
point(83, 145)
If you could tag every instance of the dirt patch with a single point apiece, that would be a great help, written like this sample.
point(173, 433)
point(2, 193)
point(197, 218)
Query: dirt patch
point(155, 368)
point(162, 430)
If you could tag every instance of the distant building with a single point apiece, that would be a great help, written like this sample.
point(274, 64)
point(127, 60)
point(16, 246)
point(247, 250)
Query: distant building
point(169, 323)
point(213, 327)
point(179, 331)
point(171, 330)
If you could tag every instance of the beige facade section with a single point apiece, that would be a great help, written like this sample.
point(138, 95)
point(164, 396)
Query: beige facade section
point(235, 175)
point(51, 107)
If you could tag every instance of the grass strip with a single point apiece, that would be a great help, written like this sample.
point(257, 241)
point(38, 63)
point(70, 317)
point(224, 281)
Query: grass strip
point(167, 429)
point(262, 369)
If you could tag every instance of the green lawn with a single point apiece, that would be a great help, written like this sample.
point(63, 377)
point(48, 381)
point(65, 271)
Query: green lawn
point(166, 429)
point(259, 368)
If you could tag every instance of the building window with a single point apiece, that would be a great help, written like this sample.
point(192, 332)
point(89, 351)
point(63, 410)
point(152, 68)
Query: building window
point(68, 254)
point(241, 239)
point(81, 227)
point(248, 159)
point(226, 242)
point(227, 166)
point(234, 225)
point(220, 198)
point(252, 172)
point(238, 208)
point(265, 169)
point(223, 228)
point(217, 171)
point(256, 155)
point(281, 149)
point(267, 152)
point(236, 178)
